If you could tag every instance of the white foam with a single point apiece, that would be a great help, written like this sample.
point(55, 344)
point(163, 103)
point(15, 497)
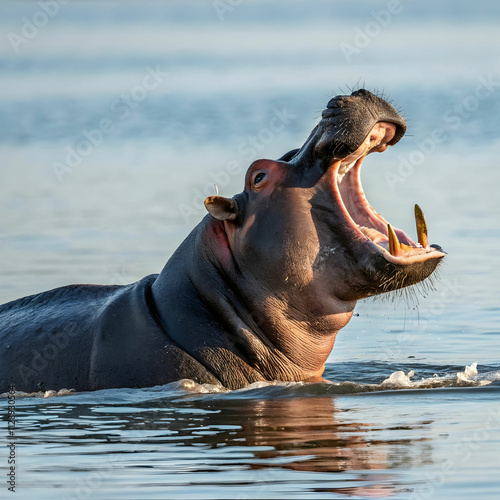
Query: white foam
point(40, 394)
point(400, 379)
point(469, 377)
point(191, 386)
point(470, 371)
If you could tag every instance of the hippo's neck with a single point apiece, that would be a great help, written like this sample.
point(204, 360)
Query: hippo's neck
point(240, 335)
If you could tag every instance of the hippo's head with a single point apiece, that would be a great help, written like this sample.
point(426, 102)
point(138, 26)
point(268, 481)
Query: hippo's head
point(300, 245)
point(303, 223)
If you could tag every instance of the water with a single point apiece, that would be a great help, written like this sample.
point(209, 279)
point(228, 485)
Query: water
point(267, 441)
point(116, 213)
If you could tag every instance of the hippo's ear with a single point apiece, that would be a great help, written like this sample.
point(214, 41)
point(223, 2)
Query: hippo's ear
point(222, 208)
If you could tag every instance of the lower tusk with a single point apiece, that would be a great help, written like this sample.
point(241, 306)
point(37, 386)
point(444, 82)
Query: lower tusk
point(421, 227)
point(394, 245)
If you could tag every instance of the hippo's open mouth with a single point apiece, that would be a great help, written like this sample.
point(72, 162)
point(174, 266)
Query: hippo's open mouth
point(392, 243)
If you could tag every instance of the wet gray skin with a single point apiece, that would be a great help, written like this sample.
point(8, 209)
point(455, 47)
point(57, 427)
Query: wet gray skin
point(257, 291)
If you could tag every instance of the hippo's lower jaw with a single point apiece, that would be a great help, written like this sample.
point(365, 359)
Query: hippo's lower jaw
point(392, 243)
point(370, 234)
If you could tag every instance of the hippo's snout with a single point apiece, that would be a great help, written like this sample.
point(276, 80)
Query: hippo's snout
point(346, 122)
point(363, 109)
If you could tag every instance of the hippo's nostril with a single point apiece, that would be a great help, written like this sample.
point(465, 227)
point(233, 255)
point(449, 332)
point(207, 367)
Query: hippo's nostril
point(336, 102)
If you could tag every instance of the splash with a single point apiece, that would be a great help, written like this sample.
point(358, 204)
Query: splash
point(41, 394)
point(397, 380)
point(468, 378)
point(470, 371)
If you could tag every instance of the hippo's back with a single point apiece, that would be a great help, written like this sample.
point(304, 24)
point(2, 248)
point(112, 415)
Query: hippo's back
point(53, 328)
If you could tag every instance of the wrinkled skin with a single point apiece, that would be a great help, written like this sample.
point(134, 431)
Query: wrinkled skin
point(257, 291)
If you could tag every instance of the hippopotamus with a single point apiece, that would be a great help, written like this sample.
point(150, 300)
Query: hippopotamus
point(256, 292)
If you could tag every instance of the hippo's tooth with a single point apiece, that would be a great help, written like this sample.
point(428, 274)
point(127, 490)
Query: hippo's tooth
point(373, 234)
point(421, 227)
point(394, 245)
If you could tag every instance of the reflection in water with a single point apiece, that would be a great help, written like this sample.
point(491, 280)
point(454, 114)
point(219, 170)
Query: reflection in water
point(259, 439)
point(308, 434)
point(300, 434)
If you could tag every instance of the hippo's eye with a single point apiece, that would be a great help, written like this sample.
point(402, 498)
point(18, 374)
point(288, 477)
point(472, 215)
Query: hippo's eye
point(259, 178)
